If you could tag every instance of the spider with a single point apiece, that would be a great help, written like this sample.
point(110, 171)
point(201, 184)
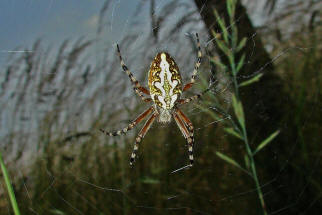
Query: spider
point(165, 86)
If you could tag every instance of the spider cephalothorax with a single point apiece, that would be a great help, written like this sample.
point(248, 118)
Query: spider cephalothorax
point(165, 86)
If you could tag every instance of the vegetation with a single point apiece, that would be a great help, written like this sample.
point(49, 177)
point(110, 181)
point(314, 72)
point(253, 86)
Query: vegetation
point(9, 187)
point(77, 170)
point(237, 127)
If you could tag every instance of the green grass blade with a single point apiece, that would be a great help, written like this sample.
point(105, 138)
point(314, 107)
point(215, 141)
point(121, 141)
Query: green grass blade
point(239, 112)
point(222, 25)
point(233, 133)
point(240, 63)
point(9, 187)
point(266, 141)
point(223, 47)
point(241, 44)
point(252, 80)
point(231, 161)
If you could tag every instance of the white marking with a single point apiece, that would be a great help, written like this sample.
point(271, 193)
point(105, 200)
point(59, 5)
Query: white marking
point(165, 73)
point(135, 147)
point(161, 99)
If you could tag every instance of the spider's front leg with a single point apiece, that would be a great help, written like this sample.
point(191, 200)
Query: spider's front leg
point(140, 136)
point(138, 88)
point(197, 65)
point(186, 128)
point(194, 97)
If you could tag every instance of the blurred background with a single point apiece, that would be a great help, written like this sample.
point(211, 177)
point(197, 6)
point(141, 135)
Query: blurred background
point(61, 81)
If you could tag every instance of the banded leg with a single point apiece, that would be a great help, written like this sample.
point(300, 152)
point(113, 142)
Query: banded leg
point(130, 126)
point(186, 124)
point(145, 99)
point(197, 65)
point(192, 98)
point(140, 136)
point(181, 126)
point(137, 86)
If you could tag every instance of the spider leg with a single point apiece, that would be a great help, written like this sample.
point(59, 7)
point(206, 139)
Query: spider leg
point(197, 65)
point(140, 136)
point(181, 125)
point(186, 128)
point(192, 98)
point(141, 95)
point(131, 125)
point(138, 88)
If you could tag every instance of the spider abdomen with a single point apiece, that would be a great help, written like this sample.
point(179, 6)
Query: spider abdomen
point(164, 81)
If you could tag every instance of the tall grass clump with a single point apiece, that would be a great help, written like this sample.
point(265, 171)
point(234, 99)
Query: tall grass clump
point(232, 47)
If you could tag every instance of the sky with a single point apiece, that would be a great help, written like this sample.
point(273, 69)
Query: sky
point(24, 21)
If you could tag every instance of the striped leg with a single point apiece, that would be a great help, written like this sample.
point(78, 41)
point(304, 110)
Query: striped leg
point(192, 98)
point(130, 126)
point(137, 86)
point(181, 126)
point(140, 136)
point(197, 65)
point(141, 95)
point(185, 125)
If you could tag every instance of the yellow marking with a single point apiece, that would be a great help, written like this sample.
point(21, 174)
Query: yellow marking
point(164, 94)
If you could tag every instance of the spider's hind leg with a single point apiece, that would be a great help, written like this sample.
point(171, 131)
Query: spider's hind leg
point(140, 136)
point(186, 128)
point(131, 125)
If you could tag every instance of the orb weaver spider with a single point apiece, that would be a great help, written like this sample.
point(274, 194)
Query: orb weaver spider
point(165, 86)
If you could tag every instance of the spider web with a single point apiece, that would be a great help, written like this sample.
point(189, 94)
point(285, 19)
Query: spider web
point(56, 94)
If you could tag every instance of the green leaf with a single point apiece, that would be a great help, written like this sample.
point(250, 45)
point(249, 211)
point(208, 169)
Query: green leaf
point(234, 35)
point(240, 63)
point(231, 161)
point(222, 25)
point(228, 5)
point(9, 187)
point(224, 48)
point(239, 112)
point(231, 5)
point(233, 132)
point(266, 141)
point(228, 160)
point(252, 80)
point(241, 44)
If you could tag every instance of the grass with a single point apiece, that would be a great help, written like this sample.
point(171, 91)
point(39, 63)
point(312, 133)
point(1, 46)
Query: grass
point(83, 172)
point(229, 44)
point(11, 193)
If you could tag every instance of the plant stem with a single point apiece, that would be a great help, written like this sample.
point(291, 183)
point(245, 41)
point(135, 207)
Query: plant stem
point(254, 173)
point(248, 149)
